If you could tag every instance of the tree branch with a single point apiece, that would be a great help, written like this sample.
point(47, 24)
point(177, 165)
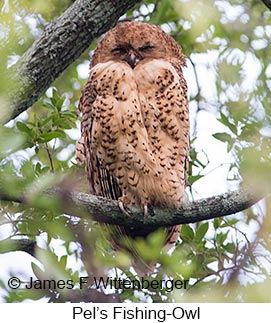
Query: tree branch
point(107, 211)
point(267, 3)
point(61, 43)
point(25, 245)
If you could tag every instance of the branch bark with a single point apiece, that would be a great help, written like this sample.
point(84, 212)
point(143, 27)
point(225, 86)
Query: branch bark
point(107, 211)
point(25, 245)
point(267, 3)
point(61, 43)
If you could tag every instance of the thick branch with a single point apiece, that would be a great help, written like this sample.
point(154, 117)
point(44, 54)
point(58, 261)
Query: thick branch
point(107, 211)
point(61, 43)
point(267, 3)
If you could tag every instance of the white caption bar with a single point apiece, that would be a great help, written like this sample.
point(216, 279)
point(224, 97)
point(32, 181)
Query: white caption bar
point(153, 313)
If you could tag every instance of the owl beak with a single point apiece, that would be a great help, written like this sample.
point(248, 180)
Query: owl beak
point(132, 59)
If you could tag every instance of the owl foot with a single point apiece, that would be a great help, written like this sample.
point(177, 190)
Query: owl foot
point(122, 207)
point(145, 210)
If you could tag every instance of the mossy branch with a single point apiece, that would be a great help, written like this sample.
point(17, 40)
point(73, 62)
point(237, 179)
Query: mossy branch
point(107, 211)
point(63, 41)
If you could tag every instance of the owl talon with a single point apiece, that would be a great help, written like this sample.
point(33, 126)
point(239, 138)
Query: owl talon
point(122, 208)
point(145, 210)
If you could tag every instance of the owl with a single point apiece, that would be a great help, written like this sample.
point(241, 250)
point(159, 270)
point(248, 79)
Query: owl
point(135, 122)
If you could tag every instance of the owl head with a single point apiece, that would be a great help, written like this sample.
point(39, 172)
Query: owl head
point(133, 42)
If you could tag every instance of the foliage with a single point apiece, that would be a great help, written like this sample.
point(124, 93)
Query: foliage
point(222, 259)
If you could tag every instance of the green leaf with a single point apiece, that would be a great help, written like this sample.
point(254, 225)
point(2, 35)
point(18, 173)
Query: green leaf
point(63, 262)
point(59, 103)
point(46, 137)
point(221, 237)
point(46, 121)
point(38, 168)
point(193, 178)
point(54, 97)
point(229, 222)
point(187, 233)
point(49, 106)
point(201, 231)
point(24, 128)
point(249, 131)
point(225, 120)
point(27, 170)
point(230, 247)
point(56, 100)
point(217, 223)
point(223, 136)
point(36, 270)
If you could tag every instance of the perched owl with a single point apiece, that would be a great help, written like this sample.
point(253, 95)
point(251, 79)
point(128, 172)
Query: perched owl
point(135, 126)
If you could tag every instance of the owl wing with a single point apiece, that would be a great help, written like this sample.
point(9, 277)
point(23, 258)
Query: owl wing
point(101, 182)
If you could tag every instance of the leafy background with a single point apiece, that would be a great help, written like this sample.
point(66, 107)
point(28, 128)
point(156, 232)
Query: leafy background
point(227, 44)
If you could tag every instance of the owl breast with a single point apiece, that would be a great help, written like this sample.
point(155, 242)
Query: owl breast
point(140, 130)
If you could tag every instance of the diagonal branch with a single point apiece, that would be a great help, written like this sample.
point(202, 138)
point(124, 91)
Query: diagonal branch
point(107, 211)
point(61, 43)
point(9, 245)
point(267, 3)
